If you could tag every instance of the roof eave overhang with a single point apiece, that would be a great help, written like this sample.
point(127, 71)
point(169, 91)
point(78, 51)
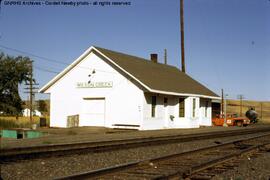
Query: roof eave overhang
point(88, 51)
point(78, 60)
point(66, 70)
point(122, 69)
point(184, 94)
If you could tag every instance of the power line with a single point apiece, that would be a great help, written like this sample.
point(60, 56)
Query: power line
point(45, 70)
point(50, 60)
point(31, 54)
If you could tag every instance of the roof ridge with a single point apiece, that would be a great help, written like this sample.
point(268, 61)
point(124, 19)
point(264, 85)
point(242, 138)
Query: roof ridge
point(155, 77)
point(143, 59)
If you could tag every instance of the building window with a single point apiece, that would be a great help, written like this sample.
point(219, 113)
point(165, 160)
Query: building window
point(206, 107)
point(193, 107)
point(153, 108)
point(181, 107)
point(165, 100)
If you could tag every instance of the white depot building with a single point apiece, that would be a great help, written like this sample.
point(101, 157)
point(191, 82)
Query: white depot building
point(116, 90)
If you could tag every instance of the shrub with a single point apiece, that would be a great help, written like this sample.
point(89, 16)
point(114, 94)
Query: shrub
point(21, 122)
point(8, 124)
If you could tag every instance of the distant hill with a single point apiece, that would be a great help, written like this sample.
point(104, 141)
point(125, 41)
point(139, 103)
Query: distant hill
point(233, 106)
point(261, 107)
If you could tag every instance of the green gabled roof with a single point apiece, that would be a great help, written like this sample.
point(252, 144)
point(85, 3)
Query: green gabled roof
point(157, 76)
point(154, 77)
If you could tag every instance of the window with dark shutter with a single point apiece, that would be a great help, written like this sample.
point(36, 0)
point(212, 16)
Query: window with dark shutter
point(206, 107)
point(181, 107)
point(193, 107)
point(153, 109)
point(165, 100)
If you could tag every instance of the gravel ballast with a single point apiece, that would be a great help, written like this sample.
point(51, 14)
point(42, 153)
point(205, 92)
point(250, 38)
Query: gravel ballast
point(250, 168)
point(66, 165)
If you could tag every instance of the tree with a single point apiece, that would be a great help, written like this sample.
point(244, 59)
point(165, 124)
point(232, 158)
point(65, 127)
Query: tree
point(13, 71)
point(42, 106)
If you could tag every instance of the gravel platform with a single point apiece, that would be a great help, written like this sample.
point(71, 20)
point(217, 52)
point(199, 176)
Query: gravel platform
point(94, 134)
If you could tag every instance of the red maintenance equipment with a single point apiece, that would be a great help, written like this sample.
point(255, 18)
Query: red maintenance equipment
point(231, 120)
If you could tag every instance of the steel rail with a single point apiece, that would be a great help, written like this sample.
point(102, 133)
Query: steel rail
point(133, 165)
point(198, 168)
point(13, 154)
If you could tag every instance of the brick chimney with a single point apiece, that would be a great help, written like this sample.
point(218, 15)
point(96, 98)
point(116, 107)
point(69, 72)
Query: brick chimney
point(154, 58)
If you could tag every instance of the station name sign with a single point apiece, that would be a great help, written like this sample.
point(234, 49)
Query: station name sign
point(95, 84)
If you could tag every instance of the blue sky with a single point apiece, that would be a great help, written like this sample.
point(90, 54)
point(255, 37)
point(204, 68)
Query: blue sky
point(227, 42)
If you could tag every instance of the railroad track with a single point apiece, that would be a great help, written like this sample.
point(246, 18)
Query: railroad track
point(15, 154)
point(203, 163)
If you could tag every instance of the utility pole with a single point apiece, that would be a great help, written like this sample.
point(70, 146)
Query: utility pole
point(31, 91)
point(222, 103)
point(261, 110)
point(182, 36)
point(165, 56)
point(241, 97)
point(225, 111)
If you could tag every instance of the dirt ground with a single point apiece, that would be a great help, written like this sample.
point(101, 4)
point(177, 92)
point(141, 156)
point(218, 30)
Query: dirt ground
point(93, 134)
point(250, 168)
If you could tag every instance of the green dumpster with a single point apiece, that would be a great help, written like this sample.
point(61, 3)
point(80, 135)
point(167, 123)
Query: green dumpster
point(9, 134)
point(33, 134)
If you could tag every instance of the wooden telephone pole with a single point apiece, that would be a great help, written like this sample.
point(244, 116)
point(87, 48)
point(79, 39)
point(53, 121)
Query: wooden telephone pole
point(31, 90)
point(182, 36)
point(261, 110)
point(165, 56)
point(241, 97)
point(222, 103)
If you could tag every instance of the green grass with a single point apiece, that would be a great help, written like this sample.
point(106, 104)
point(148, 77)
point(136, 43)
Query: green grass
point(5, 124)
point(21, 122)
